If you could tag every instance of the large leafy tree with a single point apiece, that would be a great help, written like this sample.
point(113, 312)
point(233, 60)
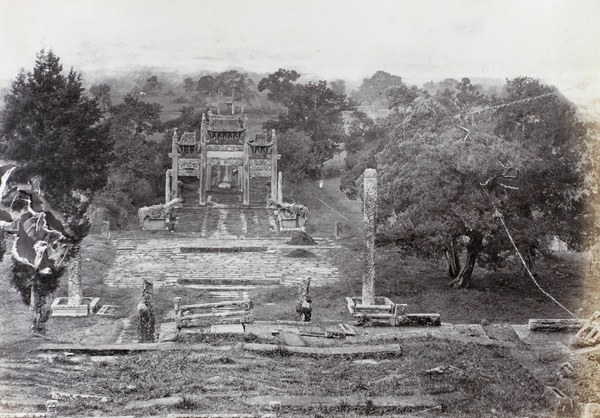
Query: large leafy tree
point(452, 164)
point(373, 90)
point(136, 167)
point(56, 136)
point(313, 108)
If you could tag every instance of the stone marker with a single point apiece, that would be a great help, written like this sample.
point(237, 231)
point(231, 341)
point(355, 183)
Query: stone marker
point(105, 230)
point(146, 314)
point(280, 187)
point(304, 305)
point(370, 211)
point(51, 407)
point(74, 288)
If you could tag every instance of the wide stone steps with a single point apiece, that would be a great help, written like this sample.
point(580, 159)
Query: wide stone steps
point(225, 223)
point(172, 261)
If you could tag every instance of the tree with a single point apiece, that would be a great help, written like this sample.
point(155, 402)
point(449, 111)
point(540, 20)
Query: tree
point(39, 246)
point(188, 85)
point(372, 91)
point(440, 188)
point(152, 86)
point(281, 86)
point(297, 158)
point(136, 166)
point(206, 84)
point(102, 93)
point(312, 108)
point(56, 136)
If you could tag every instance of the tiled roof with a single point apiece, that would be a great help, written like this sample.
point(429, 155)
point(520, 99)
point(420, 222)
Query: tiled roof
point(221, 123)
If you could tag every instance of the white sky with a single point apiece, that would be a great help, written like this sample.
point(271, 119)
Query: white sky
point(557, 41)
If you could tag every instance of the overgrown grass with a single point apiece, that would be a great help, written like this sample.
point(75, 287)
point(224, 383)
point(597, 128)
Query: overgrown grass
point(487, 377)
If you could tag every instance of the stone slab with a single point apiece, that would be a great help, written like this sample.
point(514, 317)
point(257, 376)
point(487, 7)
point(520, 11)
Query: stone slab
point(292, 339)
point(168, 332)
point(227, 329)
point(501, 332)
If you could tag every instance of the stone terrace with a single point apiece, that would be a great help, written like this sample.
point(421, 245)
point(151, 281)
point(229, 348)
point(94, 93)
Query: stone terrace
point(221, 249)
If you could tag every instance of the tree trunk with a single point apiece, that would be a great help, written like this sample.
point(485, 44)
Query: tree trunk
point(35, 312)
point(463, 279)
point(452, 259)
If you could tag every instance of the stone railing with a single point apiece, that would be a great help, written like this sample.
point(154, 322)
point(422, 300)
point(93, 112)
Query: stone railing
point(207, 314)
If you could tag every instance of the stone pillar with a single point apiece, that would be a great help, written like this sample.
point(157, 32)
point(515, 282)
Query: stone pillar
point(208, 176)
point(280, 188)
point(51, 408)
point(146, 314)
point(105, 229)
point(74, 277)
point(369, 211)
point(175, 167)
point(168, 185)
point(246, 165)
point(240, 177)
point(204, 175)
point(274, 167)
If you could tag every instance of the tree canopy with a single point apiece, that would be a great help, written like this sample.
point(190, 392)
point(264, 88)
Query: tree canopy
point(55, 133)
point(56, 136)
point(137, 163)
point(313, 108)
point(444, 159)
point(373, 90)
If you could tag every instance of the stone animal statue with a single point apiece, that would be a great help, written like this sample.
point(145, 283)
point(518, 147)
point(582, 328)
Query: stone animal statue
point(157, 211)
point(304, 305)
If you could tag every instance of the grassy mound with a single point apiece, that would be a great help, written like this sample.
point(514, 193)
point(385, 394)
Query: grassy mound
point(301, 238)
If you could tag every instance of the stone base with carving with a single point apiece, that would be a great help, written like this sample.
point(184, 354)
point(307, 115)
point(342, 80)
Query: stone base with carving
point(61, 307)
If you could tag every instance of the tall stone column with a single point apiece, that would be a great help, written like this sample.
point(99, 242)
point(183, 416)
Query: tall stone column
point(168, 185)
point(203, 176)
point(274, 167)
point(175, 167)
point(369, 212)
point(246, 184)
point(74, 277)
point(280, 188)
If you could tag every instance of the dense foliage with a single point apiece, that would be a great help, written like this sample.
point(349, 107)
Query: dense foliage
point(444, 159)
point(137, 164)
point(314, 109)
point(56, 136)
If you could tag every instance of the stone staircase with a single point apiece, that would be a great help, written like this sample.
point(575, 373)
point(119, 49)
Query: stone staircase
point(173, 261)
point(224, 250)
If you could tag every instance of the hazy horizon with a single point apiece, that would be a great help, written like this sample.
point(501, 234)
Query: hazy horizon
point(555, 41)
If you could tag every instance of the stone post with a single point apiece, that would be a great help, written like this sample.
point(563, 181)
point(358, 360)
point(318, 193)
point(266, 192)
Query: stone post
point(175, 167)
point(74, 277)
point(280, 188)
point(204, 177)
point(274, 167)
point(370, 211)
point(146, 314)
point(168, 183)
point(246, 164)
point(51, 407)
point(105, 229)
